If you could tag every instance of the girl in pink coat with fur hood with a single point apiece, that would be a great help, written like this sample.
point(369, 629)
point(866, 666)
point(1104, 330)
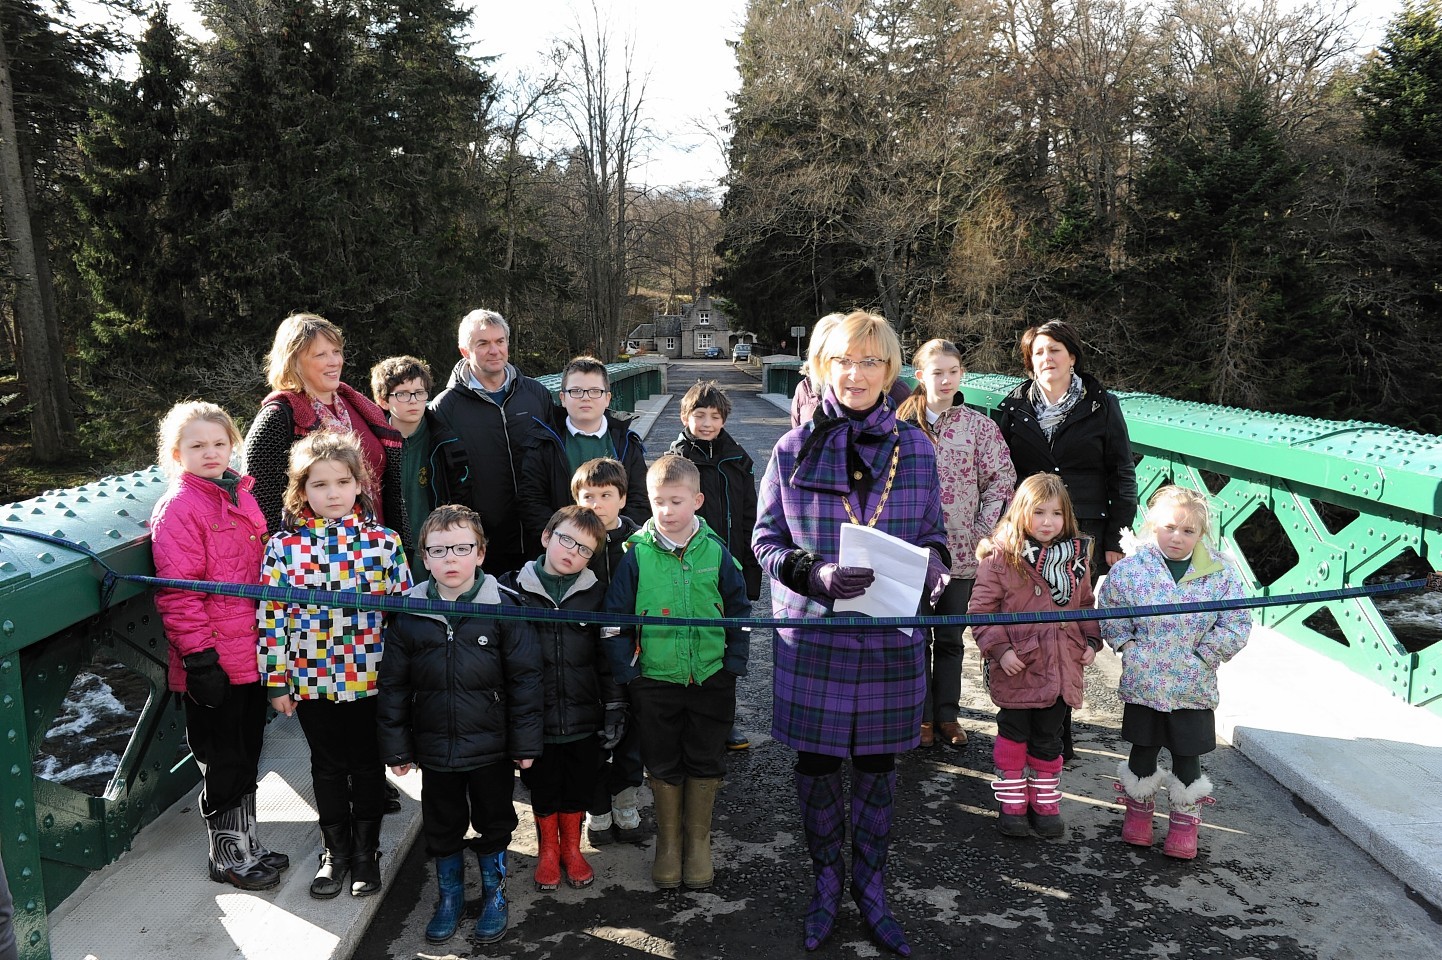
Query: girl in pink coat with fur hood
point(1035, 562)
point(208, 526)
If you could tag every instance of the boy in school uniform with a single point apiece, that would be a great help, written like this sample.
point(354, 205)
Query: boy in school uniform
point(728, 485)
point(682, 679)
point(434, 466)
point(461, 699)
point(614, 813)
point(580, 429)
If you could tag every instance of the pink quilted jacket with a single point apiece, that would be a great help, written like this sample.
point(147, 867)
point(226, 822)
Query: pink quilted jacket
point(196, 533)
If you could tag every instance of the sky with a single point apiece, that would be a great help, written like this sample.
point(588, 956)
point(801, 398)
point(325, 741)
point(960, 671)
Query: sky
point(682, 51)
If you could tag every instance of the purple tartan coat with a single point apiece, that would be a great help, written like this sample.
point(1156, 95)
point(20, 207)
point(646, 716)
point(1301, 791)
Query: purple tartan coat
point(857, 691)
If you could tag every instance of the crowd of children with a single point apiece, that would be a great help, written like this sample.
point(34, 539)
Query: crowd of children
point(467, 698)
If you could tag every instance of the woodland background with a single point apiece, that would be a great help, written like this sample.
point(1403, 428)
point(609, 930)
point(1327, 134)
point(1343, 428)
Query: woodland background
point(1233, 203)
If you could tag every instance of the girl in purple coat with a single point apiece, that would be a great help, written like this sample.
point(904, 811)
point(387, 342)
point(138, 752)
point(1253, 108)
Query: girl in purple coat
point(208, 526)
point(849, 692)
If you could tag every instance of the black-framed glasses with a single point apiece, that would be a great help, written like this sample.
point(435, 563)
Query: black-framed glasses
point(410, 396)
point(570, 543)
point(589, 393)
point(439, 551)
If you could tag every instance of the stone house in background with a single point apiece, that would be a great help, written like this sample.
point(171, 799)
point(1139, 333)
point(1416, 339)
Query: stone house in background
point(700, 326)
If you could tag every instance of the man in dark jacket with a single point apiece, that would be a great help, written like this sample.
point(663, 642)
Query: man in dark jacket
point(493, 408)
point(578, 431)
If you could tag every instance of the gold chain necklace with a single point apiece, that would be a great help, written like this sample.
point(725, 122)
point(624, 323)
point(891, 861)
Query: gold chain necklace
point(885, 491)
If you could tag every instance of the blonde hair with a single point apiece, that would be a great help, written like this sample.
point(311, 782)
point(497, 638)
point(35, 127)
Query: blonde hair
point(812, 367)
point(295, 333)
point(1010, 534)
point(1196, 506)
point(182, 415)
point(862, 329)
point(318, 447)
point(672, 469)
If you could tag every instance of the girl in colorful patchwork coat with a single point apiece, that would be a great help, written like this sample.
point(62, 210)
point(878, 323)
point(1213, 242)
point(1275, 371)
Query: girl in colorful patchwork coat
point(322, 664)
point(977, 478)
point(1169, 664)
point(848, 693)
point(1034, 563)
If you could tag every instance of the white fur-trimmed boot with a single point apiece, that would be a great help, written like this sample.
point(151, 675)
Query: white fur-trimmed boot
point(1187, 802)
point(1139, 794)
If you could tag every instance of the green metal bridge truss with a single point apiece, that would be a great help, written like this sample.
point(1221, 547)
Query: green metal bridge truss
point(1348, 499)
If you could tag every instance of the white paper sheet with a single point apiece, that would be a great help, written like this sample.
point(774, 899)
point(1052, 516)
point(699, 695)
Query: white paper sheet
point(900, 572)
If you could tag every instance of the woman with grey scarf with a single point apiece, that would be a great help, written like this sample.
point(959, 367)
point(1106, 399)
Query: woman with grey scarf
point(1062, 421)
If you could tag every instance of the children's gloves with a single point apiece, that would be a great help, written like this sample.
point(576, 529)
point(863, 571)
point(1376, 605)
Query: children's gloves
point(613, 727)
point(205, 680)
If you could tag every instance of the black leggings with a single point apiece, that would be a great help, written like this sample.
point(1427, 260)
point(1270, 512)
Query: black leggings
point(824, 764)
point(1143, 762)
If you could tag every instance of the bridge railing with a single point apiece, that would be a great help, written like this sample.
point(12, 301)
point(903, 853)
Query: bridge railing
point(52, 627)
point(1332, 503)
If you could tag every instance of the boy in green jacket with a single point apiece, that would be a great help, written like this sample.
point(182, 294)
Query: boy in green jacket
point(682, 680)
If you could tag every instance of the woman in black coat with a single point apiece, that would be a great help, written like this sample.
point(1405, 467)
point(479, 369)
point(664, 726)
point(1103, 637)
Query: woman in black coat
point(1063, 421)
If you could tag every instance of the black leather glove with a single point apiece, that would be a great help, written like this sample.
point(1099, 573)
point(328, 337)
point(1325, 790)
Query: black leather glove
point(613, 728)
point(205, 681)
point(840, 583)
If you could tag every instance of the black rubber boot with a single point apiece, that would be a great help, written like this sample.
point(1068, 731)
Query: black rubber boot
point(334, 860)
point(365, 864)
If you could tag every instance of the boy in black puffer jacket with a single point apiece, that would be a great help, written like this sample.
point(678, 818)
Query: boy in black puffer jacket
point(461, 698)
point(584, 710)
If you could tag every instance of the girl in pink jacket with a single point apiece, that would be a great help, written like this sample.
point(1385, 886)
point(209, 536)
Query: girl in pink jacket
point(1034, 562)
point(208, 526)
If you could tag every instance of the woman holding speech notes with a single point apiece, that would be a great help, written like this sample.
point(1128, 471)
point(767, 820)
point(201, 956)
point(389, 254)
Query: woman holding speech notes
point(848, 692)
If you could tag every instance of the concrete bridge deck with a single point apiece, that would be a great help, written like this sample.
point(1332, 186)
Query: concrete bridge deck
point(1323, 843)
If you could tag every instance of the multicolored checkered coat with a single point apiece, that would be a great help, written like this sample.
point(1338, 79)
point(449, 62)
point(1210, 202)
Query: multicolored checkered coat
point(327, 653)
point(853, 691)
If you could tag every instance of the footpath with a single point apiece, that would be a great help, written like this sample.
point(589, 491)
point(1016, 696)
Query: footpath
point(1323, 843)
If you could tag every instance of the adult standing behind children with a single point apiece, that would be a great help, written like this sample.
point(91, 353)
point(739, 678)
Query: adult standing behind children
point(682, 679)
point(565, 437)
point(307, 394)
point(434, 466)
point(493, 407)
point(855, 692)
point(977, 480)
point(460, 698)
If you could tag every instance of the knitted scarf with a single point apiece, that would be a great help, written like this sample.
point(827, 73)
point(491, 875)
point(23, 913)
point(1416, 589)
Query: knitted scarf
point(1062, 564)
point(1050, 415)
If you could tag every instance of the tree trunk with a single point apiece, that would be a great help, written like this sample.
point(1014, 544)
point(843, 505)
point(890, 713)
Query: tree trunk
point(54, 345)
point(46, 415)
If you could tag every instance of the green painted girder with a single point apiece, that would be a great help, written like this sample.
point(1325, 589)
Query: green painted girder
point(1286, 466)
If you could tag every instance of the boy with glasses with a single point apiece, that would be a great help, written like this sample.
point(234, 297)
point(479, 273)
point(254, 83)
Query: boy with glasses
point(585, 712)
point(580, 429)
point(434, 466)
point(461, 698)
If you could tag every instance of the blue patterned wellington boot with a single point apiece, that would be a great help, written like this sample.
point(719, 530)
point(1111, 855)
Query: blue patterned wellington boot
point(491, 926)
point(451, 879)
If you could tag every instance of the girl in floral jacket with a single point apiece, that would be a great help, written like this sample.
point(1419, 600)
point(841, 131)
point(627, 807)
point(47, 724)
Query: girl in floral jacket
point(974, 467)
point(1169, 664)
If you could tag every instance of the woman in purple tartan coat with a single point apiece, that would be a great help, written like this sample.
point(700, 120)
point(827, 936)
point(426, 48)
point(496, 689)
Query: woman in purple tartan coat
point(848, 693)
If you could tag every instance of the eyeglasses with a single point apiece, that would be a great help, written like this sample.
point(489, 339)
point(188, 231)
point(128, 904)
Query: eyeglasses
point(439, 551)
point(410, 396)
point(590, 393)
point(865, 365)
point(570, 543)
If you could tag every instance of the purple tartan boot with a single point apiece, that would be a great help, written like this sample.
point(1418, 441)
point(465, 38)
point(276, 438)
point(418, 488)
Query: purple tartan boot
point(872, 802)
point(823, 815)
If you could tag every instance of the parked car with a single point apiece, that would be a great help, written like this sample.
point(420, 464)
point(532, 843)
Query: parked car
point(741, 351)
point(711, 353)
